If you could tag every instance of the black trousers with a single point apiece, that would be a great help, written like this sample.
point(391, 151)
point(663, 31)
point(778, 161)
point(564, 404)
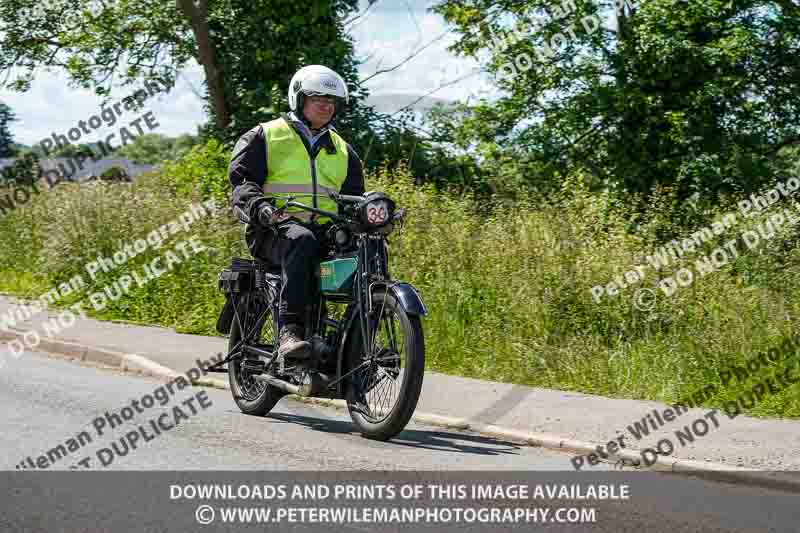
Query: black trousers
point(297, 249)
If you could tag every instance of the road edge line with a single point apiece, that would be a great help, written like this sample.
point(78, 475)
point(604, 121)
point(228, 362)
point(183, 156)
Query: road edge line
point(702, 469)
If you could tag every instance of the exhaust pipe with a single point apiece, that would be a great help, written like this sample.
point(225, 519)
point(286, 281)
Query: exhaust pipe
point(280, 384)
point(313, 383)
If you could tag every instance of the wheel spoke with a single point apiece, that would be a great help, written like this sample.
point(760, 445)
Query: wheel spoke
point(390, 335)
point(390, 341)
point(379, 400)
point(252, 389)
point(386, 404)
point(380, 384)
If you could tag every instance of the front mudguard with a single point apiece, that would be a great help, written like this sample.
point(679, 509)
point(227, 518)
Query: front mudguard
point(408, 297)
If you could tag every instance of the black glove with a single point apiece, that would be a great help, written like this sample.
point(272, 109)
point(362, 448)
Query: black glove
point(266, 214)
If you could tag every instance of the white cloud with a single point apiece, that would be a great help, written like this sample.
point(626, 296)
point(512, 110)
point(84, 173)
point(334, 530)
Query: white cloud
point(52, 106)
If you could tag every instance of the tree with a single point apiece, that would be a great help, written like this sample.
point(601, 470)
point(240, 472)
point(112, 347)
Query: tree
point(24, 171)
point(394, 140)
point(249, 51)
point(114, 174)
point(7, 147)
point(153, 148)
point(246, 49)
point(697, 94)
point(182, 145)
point(70, 150)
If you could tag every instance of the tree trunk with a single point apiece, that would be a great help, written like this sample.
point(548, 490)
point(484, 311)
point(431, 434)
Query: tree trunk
point(197, 15)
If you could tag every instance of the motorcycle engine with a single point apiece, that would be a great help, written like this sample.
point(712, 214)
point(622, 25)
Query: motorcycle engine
point(320, 350)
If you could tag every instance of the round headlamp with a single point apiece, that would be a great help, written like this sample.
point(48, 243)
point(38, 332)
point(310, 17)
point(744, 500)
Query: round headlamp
point(377, 210)
point(342, 236)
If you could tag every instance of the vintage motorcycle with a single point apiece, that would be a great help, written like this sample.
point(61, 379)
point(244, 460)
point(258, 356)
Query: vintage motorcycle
point(371, 354)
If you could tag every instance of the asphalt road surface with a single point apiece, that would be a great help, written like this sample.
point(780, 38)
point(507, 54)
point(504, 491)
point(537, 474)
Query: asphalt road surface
point(49, 401)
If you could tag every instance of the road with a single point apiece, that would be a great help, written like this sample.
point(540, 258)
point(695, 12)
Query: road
point(48, 400)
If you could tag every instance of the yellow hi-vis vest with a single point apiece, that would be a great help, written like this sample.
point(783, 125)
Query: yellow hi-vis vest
point(290, 169)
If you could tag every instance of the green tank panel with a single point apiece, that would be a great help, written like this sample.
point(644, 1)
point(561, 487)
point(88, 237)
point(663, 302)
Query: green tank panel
point(337, 275)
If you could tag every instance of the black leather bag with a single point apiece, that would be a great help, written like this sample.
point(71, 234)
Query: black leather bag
point(236, 280)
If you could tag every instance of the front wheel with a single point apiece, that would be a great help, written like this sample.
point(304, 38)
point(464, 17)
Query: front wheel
point(383, 393)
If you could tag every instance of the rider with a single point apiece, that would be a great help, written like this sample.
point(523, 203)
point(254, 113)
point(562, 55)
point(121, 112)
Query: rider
point(302, 153)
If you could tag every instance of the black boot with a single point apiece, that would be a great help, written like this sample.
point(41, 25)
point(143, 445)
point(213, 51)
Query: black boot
point(291, 343)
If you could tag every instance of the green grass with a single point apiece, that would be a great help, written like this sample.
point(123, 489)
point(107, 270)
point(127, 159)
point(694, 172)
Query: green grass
point(509, 294)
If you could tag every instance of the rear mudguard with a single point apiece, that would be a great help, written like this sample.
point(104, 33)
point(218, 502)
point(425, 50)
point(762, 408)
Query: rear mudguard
point(409, 299)
point(225, 318)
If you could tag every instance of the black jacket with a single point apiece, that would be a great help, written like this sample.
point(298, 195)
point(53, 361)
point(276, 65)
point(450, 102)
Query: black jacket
point(248, 168)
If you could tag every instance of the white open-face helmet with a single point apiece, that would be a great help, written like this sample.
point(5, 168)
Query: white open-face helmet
point(316, 80)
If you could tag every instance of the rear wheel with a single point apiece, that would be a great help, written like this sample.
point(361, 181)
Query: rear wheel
point(252, 396)
point(383, 393)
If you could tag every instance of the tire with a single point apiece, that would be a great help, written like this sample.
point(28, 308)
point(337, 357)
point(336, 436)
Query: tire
point(253, 397)
point(413, 371)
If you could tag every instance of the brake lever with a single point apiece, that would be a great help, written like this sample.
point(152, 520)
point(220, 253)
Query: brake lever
point(280, 212)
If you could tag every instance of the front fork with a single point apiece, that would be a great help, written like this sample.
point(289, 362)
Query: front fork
point(373, 269)
point(357, 313)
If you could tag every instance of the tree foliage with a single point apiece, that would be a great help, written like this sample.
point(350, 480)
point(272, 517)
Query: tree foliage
point(701, 95)
point(24, 171)
point(103, 43)
point(71, 150)
point(7, 147)
point(154, 148)
point(114, 174)
point(263, 43)
point(246, 49)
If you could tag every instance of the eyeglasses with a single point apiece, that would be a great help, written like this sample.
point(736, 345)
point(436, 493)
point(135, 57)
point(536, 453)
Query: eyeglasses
point(319, 100)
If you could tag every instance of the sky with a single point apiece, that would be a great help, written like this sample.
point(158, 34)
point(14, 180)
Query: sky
point(387, 33)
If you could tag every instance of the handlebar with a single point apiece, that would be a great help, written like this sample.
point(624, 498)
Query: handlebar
point(347, 198)
point(321, 212)
point(336, 197)
point(339, 198)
